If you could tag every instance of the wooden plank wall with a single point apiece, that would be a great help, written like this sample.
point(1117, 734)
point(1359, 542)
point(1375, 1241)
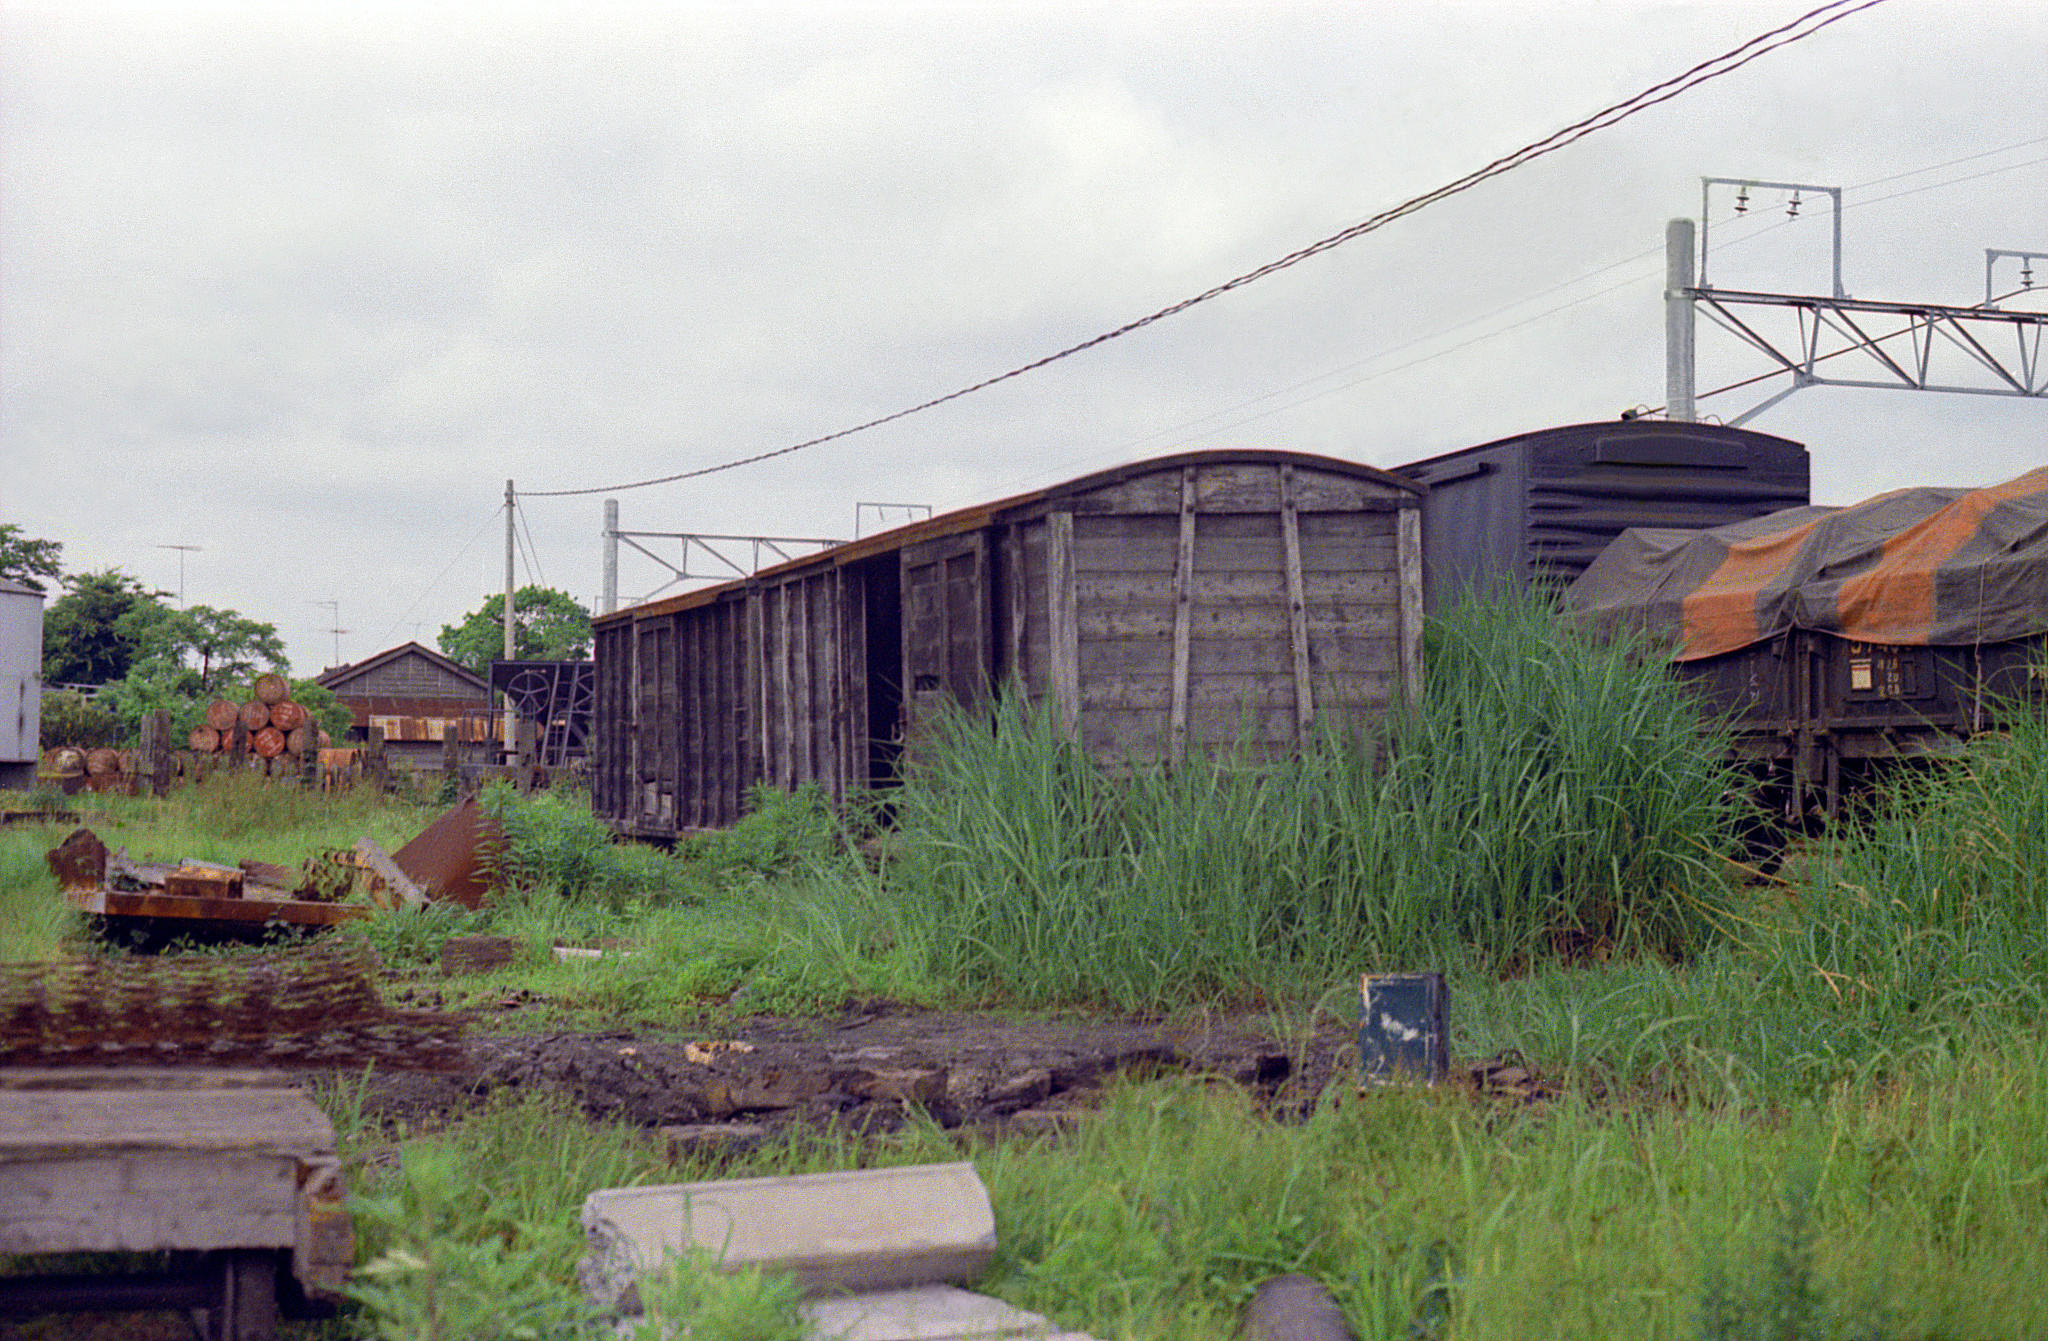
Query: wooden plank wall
point(948, 628)
point(1223, 606)
point(810, 624)
point(612, 724)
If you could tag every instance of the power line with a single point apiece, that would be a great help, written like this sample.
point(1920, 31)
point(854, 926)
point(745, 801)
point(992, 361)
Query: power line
point(427, 590)
point(1806, 25)
point(1758, 229)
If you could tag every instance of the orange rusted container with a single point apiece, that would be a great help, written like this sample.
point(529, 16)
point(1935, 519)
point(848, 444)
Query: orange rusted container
point(287, 715)
point(255, 715)
point(269, 742)
point(203, 739)
point(272, 689)
point(222, 715)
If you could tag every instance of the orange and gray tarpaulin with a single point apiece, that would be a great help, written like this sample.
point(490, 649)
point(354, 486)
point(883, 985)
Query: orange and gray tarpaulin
point(1911, 567)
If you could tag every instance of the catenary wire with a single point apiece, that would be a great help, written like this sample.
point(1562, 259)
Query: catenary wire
point(1800, 28)
point(1185, 426)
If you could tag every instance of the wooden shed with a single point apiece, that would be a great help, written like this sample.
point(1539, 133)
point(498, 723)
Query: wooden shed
point(1203, 601)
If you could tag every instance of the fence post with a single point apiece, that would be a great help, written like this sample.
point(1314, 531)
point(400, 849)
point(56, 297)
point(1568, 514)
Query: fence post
point(378, 766)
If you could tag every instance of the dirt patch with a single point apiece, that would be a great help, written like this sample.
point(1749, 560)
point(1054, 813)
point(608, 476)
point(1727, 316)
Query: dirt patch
point(863, 1069)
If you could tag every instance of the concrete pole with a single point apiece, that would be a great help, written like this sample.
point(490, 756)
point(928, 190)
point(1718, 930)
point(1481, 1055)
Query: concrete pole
point(611, 555)
point(511, 723)
point(1678, 322)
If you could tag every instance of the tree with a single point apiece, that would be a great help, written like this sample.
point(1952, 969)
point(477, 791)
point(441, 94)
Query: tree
point(329, 713)
point(95, 631)
point(547, 625)
point(226, 645)
point(25, 560)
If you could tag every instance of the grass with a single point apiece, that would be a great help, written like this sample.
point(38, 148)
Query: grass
point(1898, 1210)
point(1796, 1109)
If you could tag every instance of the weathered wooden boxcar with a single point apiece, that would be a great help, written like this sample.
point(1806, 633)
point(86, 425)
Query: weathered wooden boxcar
point(1211, 600)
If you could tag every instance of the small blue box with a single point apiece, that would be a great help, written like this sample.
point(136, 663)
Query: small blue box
point(1401, 1027)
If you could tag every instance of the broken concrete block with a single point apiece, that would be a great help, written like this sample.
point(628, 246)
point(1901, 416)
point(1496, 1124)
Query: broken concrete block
point(868, 1229)
point(932, 1313)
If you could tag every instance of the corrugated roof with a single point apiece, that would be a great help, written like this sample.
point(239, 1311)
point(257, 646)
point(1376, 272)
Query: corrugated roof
point(983, 514)
point(335, 675)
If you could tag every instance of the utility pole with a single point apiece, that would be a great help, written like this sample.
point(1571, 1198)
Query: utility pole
point(511, 716)
point(183, 550)
point(1678, 321)
point(611, 555)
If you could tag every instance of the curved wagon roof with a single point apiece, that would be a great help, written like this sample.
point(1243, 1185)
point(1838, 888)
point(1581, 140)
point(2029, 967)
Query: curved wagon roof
point(1039, 500)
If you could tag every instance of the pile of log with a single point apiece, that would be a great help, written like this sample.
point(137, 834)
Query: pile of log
point(268, 725)
point(98, 770)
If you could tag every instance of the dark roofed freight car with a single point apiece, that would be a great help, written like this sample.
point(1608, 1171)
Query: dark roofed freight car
point(1212, 600)
point(1540, 507)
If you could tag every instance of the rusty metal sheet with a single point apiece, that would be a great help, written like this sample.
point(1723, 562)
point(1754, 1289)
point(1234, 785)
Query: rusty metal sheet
point(80, 861)
point(305, 1007)
point(452, 858)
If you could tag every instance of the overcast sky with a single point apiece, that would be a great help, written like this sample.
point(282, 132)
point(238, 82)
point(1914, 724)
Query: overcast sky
point(304, 285)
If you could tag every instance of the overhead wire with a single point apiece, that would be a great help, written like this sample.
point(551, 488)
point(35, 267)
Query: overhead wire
point(1800, 28)
point(439, 577)
point(1740, 238)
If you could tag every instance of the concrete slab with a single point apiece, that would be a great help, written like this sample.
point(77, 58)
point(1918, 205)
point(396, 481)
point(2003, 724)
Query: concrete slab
point(864, 1230)
point(931, 1313)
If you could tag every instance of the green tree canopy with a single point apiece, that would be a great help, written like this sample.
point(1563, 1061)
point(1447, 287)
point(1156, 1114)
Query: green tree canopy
point(219, 647)
point(25, 560)
point(548, 625)
point(96, 630)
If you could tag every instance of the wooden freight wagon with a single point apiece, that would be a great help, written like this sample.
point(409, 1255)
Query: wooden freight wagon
point(1834, 639)
point(1204, 601)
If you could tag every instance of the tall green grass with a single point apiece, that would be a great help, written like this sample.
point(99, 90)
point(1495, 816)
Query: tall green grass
point(1549, 799)
point(1932, 903)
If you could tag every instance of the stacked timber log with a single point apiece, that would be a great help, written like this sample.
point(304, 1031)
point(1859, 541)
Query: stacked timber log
point(97, 770)
point(269, 725)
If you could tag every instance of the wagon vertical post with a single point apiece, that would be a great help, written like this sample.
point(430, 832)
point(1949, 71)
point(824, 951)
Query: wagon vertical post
point(1408, 564)
point(1183, 613)
point(1297, 609)
point(1066, 629)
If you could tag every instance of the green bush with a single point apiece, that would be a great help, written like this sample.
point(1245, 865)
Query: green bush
point(70, 718)
point(554, 846)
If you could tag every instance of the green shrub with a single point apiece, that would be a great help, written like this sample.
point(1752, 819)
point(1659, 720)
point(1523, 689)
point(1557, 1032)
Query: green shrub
point(553, 845)
point(782, 833)
point(70, 718)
